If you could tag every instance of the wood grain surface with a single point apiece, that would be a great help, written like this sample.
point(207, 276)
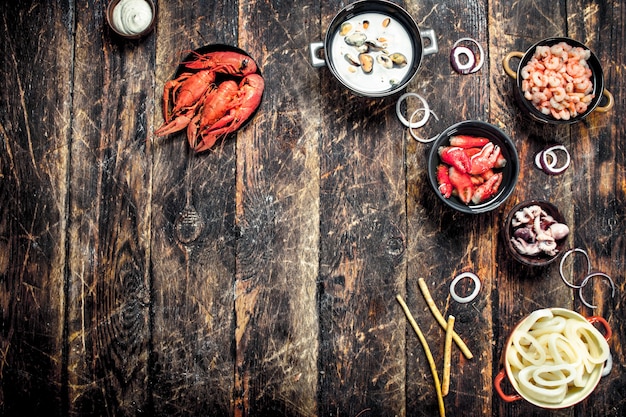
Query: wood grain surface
point(260, 278)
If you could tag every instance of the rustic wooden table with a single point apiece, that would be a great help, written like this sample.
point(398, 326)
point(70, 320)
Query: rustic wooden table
point(260, 279)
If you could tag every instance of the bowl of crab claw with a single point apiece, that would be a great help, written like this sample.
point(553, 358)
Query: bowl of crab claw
point(473, 167)
point(535, 232)
point(554, 358)
point(558, 81)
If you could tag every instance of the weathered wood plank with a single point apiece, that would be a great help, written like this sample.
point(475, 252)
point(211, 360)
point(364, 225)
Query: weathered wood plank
point(362, 258)
point(35, 121)
point(516, 26)
point(193, 239)
point(109, 224)
point(260, 278)
point(599, 195)
point(444, 243)
point(276, 338)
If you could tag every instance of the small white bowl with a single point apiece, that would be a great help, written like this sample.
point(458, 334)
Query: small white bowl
point(129, 34)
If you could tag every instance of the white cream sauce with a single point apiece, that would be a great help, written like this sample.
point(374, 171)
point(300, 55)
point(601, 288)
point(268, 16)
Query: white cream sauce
point(132, 17)
point(381, 79)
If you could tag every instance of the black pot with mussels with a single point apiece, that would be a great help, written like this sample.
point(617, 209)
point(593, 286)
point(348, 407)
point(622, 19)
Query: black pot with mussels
point(373, 47)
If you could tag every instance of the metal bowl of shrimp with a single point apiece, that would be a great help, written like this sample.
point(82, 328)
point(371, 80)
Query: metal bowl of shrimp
point(473, 167)
point(558, 81)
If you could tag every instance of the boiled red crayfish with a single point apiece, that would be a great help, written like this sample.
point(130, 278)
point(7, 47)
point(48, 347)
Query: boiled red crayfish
point(467, 169)
point(214, 96)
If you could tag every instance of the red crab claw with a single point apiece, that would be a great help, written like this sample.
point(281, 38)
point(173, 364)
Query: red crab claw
point(226, 62)
point(443, 179)
point(455, 156)
point(244, 104)
point(487, 189)
point(471, 151)
point(462, 183)
point(485, 159)
point(466, 141)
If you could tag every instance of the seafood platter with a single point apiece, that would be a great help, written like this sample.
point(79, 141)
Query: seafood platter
point(473, 167)
point(216, 91)
point(558, 81)
point(374, 48)
point(535, 232)
point(554, 358)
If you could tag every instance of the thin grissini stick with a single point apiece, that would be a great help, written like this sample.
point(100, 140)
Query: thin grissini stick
point(447, 356)
point(431, 304)
point(429, 356)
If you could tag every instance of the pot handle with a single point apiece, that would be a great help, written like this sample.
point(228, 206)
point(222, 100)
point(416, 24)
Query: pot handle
point(314, 48)
point(507, 67)
point(607, 329)
point(433, 48)
point(609, 104)
point(497, 382)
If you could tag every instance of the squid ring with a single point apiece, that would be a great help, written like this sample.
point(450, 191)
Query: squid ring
point(427, 111)
point(472, 295)
point(586, 281)
point(478, 65)
point(403, 120)
point(565, 255)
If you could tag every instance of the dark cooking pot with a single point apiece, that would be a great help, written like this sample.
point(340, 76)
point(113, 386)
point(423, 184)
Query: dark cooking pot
point(597, 79)
point(380, 35)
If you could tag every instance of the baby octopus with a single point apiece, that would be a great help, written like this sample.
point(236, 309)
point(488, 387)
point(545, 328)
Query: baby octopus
point(557, 80)
point(535, 232)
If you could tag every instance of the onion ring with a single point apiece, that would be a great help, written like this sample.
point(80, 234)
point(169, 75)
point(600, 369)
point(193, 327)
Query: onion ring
point(417, 138)
point(403, 120)
point(539, 156)
point(456, 63)
point(478, 65)
point(474, 293)
point(550, 168)
point(586, 281)
point(565, 255)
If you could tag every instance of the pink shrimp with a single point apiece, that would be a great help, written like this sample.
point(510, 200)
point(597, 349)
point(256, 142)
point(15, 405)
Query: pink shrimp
point(557, 78)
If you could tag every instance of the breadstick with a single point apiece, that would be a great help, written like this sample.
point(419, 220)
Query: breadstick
point(429, 300)
point(429, 356)
point(447, 356)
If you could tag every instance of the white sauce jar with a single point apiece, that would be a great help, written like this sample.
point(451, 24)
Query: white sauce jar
point(131, 18)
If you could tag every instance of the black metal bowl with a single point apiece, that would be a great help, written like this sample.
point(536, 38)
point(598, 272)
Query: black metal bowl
point(597, 79)
point(510, 171)
point(508, 230)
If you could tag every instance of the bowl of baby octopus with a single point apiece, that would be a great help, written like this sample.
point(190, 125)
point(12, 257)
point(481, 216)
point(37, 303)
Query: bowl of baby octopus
point(558, 81)
point(535, 232)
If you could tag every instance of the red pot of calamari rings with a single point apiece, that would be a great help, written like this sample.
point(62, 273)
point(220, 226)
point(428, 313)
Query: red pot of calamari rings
point(574, 395)
point(597, 79)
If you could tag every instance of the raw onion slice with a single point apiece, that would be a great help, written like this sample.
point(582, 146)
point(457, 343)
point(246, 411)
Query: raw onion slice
point(586, 281)
point(417, 138)
point(472, 295)
point(539, 156)
point(565, 255)
point(550, 168)
point(406, 122)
